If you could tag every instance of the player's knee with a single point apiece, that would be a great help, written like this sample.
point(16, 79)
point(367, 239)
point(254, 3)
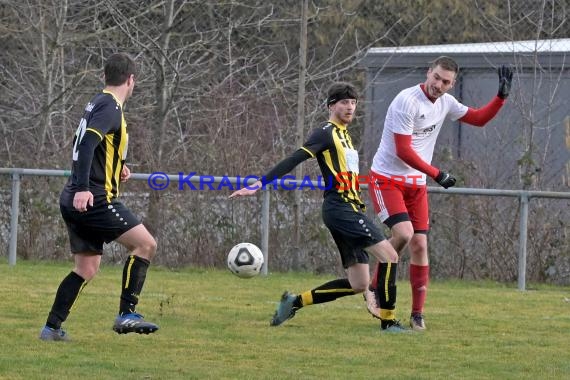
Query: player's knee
point(418, 246)
point(359, 286)
point(401, 237)
point(392, 256)
point(149, 248)
point(400, 241)
point(146, 248)
point(87, 272)
point(385, 252)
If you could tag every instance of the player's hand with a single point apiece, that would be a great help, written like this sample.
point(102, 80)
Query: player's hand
point(248, 190)
point(505, 80)
point(445, 179)
point(82, 199)
point(125, 174)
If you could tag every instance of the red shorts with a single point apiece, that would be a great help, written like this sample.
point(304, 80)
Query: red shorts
point(396, 202)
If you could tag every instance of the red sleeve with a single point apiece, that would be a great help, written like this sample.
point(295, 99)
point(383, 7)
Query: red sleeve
point(481, 116)
point(407, 154)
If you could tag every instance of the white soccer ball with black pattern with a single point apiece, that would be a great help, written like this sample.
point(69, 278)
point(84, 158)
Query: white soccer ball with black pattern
point(245, 260)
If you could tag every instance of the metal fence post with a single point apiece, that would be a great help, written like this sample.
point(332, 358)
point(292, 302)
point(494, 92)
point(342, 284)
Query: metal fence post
point(14, 219)
point(523, 229)
point(265, 230)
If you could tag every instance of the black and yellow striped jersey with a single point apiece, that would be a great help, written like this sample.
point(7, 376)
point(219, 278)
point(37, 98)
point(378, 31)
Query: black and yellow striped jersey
point(338, 160)
point(101, 137)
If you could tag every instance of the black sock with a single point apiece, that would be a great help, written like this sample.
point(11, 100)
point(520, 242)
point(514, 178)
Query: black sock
point(65, 298)
point(386, 290)
point(134, 274)
point(327, 292)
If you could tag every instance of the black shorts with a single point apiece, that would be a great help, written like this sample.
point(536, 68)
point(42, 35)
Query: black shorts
point(352, 231)
point(99, 224)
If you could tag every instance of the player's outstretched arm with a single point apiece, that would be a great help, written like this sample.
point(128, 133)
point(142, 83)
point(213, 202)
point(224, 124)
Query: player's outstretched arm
point(481, 116)
point(279, 170)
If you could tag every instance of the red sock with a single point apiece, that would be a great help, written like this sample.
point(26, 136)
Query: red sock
point(419, 276)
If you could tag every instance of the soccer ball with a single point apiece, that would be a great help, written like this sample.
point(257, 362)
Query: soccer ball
point(245, 260)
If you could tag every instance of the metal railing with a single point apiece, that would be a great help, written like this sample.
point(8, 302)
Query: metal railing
point(523, 195)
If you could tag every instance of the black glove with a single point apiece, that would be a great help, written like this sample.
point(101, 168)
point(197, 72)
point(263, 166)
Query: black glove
point(445, 179)
point(505, 80)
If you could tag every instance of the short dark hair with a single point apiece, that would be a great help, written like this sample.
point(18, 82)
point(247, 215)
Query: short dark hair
point(341, 90)
point(118, 68)
point(445, 63)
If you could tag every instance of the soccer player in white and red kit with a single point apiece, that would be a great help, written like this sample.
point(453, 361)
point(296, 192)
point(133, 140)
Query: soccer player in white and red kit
point(403, 162)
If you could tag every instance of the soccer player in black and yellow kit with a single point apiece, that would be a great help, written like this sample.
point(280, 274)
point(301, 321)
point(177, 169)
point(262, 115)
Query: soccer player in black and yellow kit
point(90, 208)
point(354, 233)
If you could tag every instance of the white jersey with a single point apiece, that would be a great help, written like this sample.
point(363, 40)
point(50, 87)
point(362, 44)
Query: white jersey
point(412, 113)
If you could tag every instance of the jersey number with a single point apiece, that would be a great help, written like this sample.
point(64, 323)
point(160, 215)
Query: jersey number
point(78, 137)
